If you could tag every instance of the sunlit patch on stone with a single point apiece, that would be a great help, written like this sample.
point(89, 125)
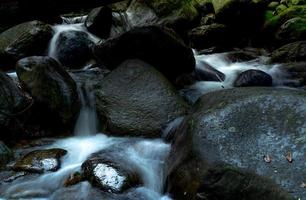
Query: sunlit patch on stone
point(49, 164)
point(109, 177)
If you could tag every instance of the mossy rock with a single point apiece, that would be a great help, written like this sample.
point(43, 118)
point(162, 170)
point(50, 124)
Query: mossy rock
point(273, 23)
point(273, 5)
point(292, 30)
point(280, 8)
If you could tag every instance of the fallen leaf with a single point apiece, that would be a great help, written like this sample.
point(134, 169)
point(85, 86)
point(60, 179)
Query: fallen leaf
point(289, 157)
point(267, 158)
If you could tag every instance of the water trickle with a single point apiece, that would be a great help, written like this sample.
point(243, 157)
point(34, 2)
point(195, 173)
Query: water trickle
point(87, 121)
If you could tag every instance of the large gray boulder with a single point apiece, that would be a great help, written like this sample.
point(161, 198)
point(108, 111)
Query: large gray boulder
point(135, 99)
point(26, 39)
point(237, 139)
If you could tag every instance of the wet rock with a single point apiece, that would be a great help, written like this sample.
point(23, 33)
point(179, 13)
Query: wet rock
point(253, 77)
point(205, 72)
point(73, 48)
point(40, 161)
point(295, 74)
point(54, 91)
point(106, 172)
point(6, 155)
point(293, 52)
point(27, 39)
point(13, 105)
point(177, 15)
point(238, 127)
point(73, 179)
point(156, 46)
point(135, 99)
point(210, 35)
point(99, 21)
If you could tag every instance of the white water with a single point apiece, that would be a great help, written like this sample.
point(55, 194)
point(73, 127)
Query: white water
point(58, 29)
point(146, 156)
point(231, 70)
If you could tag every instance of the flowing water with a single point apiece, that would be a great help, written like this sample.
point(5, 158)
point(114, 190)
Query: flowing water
point(147, 156)
point(231, 70)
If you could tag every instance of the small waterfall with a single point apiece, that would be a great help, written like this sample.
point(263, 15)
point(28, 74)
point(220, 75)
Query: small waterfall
point(74, 20)
point(87, 121)
point(58, 29)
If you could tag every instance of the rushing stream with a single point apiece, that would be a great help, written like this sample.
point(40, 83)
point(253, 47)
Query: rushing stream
point(147, 156)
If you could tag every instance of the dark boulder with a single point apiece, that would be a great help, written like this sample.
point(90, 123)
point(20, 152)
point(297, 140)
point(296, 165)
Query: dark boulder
point(236, 137)
point(108, 171)
point(13, 105)
point(253, 77)
point(99, 21)
point(135, 99)
point(293, 52)
point(27, 39)
point(210, 35)
point(40, 161)
point(73, 48)
point(53, 90)
point(154, 45)
point(242, 15)
point(177, 15)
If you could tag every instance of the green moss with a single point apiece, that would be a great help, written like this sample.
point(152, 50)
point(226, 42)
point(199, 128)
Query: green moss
point(273, 23)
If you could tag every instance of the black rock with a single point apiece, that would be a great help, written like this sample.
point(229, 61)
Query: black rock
point(154, 45)
point(73, 48)
point(253, 78)
point(99, 21)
